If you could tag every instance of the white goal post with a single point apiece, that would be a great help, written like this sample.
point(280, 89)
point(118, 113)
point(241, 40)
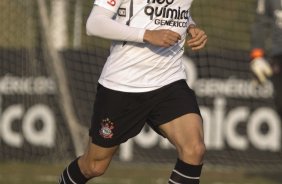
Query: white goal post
point(57, 69)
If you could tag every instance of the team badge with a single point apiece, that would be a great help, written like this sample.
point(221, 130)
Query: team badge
point(106, 130)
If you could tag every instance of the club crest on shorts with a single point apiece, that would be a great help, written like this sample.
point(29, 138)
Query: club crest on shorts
point(107, 127)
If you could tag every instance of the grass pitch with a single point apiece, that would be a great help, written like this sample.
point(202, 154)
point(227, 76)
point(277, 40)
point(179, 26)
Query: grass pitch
point(120, 173)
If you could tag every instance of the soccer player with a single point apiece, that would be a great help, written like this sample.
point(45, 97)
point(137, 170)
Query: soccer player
point(143, 81)
point(268, 20)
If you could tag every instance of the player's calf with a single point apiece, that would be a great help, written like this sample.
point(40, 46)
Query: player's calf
point(72, 174)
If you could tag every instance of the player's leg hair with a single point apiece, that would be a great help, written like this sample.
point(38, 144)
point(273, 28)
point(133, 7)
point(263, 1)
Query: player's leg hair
point(186, 133)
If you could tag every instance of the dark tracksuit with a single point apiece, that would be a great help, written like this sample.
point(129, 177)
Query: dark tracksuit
point(268, 21)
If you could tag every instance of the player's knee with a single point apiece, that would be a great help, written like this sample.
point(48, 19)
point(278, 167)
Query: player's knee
point(197, 150)
point(200, 149)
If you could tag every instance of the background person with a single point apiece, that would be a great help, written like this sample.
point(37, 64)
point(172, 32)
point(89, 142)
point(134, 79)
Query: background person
point(266, 60)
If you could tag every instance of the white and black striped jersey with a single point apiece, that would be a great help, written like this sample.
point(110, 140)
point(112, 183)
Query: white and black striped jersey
point(141, 67)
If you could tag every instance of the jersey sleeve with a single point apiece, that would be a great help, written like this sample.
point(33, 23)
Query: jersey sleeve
point(109, 28)
point(111, 5)
point(190, 21)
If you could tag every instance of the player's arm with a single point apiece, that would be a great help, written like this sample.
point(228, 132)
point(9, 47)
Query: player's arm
point(100, 23)
point(198, 37)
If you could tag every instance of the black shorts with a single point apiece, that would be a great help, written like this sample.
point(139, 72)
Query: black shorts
point(119, 116)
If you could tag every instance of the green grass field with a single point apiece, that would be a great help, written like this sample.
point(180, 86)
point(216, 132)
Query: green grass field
point(31, 173)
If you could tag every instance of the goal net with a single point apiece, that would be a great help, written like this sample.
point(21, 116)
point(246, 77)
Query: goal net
point(49, 70)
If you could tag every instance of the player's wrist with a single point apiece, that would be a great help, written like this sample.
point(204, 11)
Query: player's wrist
point(146, 37)
point(191, 26)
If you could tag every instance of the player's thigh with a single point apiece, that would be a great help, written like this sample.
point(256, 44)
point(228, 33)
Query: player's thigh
point(186, 130)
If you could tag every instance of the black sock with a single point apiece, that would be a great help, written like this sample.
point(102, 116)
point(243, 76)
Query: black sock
point(185, 173)
point(72, 174)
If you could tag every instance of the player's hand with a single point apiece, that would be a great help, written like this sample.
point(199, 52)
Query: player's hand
point(161, 37)
point(261, 68)
point(198, 38)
